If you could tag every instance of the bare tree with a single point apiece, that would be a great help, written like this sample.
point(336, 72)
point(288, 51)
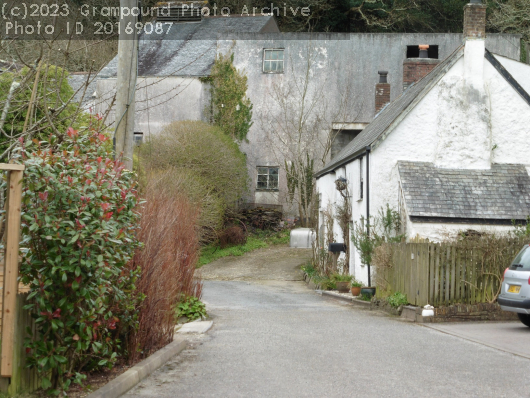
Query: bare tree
point(297, 118)
point(511, 16)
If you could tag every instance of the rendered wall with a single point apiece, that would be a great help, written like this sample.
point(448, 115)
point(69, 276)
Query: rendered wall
point(425, 136)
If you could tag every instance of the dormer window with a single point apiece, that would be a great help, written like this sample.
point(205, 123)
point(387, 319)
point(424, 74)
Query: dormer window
point(273, 61)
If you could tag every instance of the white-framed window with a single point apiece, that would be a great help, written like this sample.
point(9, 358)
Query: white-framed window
point(273, 60)
point(268, 178)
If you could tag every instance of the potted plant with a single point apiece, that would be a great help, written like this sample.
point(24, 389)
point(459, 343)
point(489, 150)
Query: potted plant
point(355, 287)
point(369, 291)
point(342, 282)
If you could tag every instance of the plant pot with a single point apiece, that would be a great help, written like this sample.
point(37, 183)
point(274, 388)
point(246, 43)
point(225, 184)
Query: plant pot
point(355, 291)
point(343, 287)
point(368, 290)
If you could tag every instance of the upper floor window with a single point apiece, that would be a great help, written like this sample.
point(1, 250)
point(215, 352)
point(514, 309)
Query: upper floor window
point(273, 61)
point(268, 178)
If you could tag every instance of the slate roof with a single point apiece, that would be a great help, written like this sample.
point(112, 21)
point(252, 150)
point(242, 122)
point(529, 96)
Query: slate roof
point(188, 49)
point(77, 82)
point(386, 118)
point(500, 193)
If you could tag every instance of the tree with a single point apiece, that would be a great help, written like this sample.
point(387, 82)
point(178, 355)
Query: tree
point(41, 105)
point(296, 121)
point(511, 16)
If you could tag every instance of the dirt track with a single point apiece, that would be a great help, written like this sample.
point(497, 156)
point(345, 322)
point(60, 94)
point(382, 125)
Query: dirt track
point(277, 263)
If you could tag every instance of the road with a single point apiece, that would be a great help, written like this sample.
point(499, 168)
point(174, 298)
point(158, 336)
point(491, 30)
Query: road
point(277, 338)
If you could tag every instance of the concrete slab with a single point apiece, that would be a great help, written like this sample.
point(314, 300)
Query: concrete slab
point(511, 337)
point(195, 327)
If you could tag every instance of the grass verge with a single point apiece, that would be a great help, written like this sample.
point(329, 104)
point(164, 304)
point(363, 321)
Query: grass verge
point(257, 240)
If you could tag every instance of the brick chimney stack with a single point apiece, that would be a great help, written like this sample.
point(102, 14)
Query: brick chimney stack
point(382, 92)
point(475, 20)
point(475, 44)
point(414, 69)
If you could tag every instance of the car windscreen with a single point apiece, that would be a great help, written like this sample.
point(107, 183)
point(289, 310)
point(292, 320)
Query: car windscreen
point(522, 261)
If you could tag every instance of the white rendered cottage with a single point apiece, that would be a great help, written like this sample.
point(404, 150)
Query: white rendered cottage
point(451, 153)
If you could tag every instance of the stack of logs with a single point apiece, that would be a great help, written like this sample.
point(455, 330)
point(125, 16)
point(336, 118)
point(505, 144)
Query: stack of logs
point(261, 218)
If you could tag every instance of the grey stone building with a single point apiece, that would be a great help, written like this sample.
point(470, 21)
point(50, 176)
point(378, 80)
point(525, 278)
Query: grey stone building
point(327, 79)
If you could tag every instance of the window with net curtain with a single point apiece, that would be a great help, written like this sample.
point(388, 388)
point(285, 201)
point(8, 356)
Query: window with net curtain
point(268, 178)
point(273, 61)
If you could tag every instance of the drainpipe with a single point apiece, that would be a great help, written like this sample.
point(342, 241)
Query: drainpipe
point(368, 150)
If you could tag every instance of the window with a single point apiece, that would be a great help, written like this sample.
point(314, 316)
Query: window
point(414, 51)
point(138, 138)
point(361, 179)
point(268, 178)
point(273, 61)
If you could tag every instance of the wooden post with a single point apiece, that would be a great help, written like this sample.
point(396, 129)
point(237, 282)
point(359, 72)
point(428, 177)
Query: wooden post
point(9, 310)
point(126, 83)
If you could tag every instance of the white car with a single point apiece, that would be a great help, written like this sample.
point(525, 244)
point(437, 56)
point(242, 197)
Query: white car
point(515, 290)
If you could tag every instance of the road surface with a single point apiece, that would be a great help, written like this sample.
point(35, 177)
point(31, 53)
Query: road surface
point(277, 338)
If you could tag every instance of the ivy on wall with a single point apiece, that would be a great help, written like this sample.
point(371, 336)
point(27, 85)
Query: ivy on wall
point(231, 109)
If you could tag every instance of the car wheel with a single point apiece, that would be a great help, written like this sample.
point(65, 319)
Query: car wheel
point(524, 318)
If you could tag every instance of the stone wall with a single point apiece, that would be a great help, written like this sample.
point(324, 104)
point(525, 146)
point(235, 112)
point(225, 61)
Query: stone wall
point(476, 312)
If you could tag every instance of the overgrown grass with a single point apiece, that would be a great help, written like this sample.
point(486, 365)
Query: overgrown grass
point(257, 240)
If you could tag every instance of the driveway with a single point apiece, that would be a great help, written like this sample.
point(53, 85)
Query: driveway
point(274, 338)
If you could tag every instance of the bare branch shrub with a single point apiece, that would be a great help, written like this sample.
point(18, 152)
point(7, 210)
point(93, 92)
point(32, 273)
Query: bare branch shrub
point(167, 262)
point(322, 260)
point(232, 236)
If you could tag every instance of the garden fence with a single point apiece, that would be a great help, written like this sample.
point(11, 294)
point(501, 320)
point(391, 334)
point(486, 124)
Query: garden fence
point(442, 274)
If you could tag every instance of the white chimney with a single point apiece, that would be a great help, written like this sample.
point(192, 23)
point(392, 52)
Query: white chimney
point(475, 42)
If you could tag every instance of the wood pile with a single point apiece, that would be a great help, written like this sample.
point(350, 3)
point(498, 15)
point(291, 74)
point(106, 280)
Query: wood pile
point(261, 218)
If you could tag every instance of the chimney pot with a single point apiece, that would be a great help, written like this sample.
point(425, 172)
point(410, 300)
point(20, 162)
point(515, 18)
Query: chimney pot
point(424, 51)
point(383, 74)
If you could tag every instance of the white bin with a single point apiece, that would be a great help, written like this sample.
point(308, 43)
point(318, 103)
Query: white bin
point(302, 238)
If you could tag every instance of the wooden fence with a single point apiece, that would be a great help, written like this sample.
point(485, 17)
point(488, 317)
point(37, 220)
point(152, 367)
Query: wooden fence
point(443, 274)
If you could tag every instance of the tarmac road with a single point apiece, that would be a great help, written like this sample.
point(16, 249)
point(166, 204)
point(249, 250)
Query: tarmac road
point(281, 339)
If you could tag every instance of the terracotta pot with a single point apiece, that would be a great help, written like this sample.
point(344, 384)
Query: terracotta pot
point(342, 287)
point(355, 291)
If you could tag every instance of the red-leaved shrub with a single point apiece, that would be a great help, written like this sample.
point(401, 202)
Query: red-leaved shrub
point(167, 261)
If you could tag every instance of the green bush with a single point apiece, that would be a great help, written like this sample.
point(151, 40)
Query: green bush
point(78, 228)
point(397, 299)
point(366, 297)
point(53, 94)
point(356, 283)
point(324, 282)
point(198, 160)
point(309, 270)
point(191, 308)
point(232, 110)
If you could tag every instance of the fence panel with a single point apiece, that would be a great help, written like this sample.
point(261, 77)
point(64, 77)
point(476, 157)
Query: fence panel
point(444, 273)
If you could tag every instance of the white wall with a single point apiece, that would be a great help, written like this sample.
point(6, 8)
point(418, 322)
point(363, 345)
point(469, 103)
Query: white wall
point(451, 127)
point(159, 101)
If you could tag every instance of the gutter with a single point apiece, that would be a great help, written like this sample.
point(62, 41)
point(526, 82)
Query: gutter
point(348, 159)
point(368, 149)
